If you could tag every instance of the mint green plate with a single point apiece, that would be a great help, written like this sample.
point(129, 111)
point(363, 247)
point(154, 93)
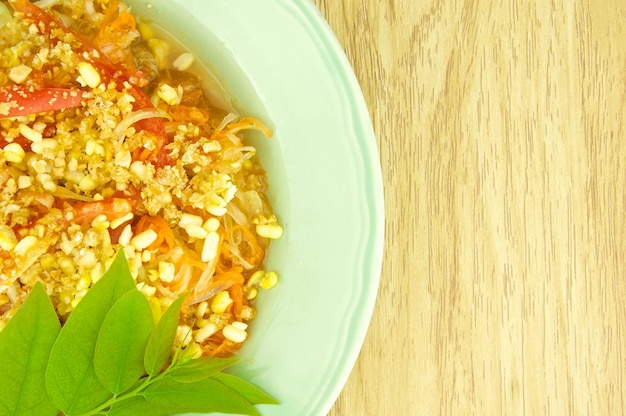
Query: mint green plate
point(281, 62)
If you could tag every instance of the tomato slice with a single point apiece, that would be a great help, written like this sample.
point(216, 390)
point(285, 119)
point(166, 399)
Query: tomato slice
point(20, 101)
point(112, 208)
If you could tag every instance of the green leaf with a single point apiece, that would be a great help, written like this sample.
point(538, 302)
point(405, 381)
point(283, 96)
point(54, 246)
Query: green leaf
point(25, 344)
point(204, 396)
point(162, 338)
point(251, 393)
point(199, 368)
point(71, 380)
point(118, 359)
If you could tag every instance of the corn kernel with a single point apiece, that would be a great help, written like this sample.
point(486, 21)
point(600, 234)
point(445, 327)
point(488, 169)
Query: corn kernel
point(46, 181)
point(169, 94)
point(248, 313)
point(90, 147)
point(212, 224)
point(74, 176)
point(123, 159)
point(183, 62)
point(201, 322)
point(24, 181)
point(19, 73)
point(269, 280)
point(212, 146)
point(115, 223)
point(25, 245)
point(87, 259)
point(44, 144)
point(166, 271)
point(194, 351)
point(101, 222)
point(13, 152)
point(146, 256)
point(89, 76)
point(201, 309)
point(8, 240)
point(126, 235)
point(145, 30)
point(39, 126)
point(30, 133)
point(252, 293)
point(147, 290)
point(47, 261)
point(94, 148)
point(143, 239)
point(183, 333)
point(271, 231)
point(196, 231)
point(160, 50)
point(84, 282)
point(65, 297)
point(140, 170)
point(189, 219)
point(210, 247)
point(234, 334)
point(206, 331)
point(221, 302)
point(240, 325)
point(67, 266)
point(87, 183)
point(254, 279)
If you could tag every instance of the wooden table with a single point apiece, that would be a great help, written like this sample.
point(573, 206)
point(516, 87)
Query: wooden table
point(501, 135)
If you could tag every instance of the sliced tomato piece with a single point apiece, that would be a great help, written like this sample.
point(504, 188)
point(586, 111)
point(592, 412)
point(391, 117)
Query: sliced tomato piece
point(19, 101)
point(112, 208)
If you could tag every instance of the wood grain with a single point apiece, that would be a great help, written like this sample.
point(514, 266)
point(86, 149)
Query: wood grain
point(501, 136)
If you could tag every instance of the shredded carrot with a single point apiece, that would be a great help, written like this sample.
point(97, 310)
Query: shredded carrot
point(110, 14)
point(165, 240)
point(232, 277)
point(190, 260)
point(220, 347)
point(236, 294)
point(124, 22)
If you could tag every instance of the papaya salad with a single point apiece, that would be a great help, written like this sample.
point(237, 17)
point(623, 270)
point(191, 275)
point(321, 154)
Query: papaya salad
point(109, 142)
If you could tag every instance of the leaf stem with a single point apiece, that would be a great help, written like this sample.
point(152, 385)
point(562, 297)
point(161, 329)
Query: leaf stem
point(147, 381)
point(118, 398)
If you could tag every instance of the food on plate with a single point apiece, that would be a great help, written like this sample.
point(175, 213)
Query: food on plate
point(109, 142)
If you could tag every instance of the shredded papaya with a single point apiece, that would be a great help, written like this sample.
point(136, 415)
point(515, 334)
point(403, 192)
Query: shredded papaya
point(257, 253)
point(249, 123)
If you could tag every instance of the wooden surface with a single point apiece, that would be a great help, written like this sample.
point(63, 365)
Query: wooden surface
point(503, 148)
